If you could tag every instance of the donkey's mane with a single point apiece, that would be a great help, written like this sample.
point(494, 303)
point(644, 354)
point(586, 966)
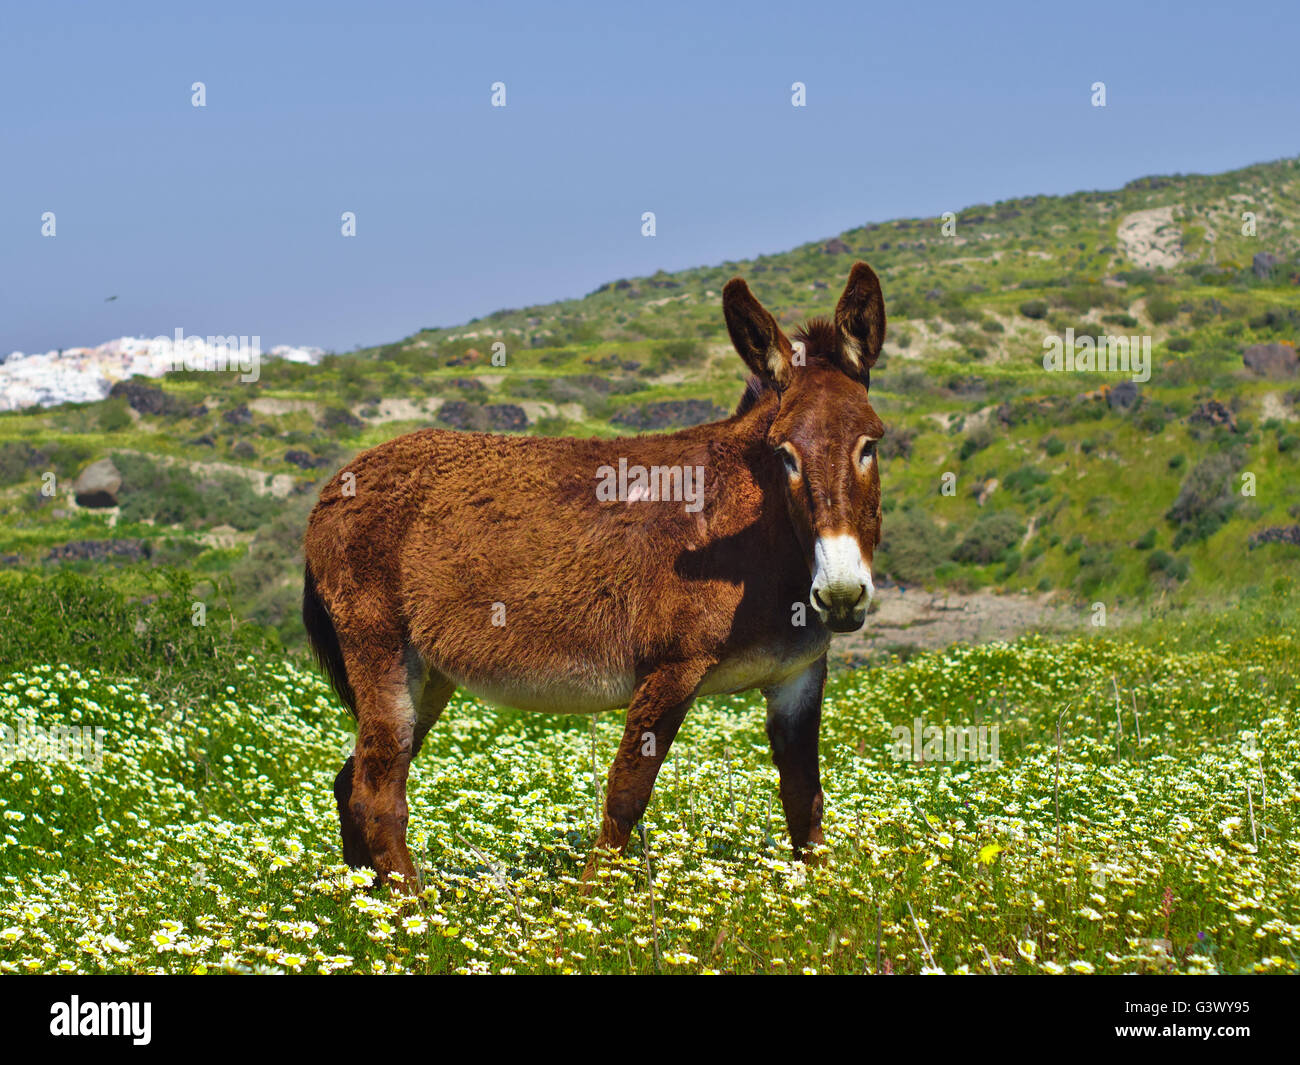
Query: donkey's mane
point(820, 339)
point(821, 342)
point(755, 389)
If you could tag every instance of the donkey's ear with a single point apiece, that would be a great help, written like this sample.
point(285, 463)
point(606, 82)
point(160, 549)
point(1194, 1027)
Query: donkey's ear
point(860, 319)
point(755, 334)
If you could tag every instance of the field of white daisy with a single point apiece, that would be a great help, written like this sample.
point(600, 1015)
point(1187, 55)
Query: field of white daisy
point(1159, 835)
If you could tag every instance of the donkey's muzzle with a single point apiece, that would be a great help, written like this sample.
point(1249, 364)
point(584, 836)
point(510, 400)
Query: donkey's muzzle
point(841, 585)
point(849, 622)
point(842, 617)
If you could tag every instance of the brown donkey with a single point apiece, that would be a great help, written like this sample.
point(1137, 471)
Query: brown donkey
point(575, 576)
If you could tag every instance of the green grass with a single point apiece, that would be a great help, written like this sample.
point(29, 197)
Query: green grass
point(207, 839)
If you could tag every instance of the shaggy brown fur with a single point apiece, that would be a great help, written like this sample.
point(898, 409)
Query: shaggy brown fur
point(441, 559)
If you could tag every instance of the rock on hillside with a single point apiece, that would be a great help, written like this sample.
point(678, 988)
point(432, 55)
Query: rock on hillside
point(493, 417)
point(98, 485)
point(1271, 360)
point(669, 414)
point(1278, 534)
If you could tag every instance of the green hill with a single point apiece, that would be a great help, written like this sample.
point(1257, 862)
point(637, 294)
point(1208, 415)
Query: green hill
point(1060, 482)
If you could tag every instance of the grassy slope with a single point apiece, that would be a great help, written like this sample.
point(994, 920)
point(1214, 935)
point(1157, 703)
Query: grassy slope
point(960, 354)
point(207, 840)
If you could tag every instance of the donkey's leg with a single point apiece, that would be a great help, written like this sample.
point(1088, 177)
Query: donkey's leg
point(429, 702)
point(355, 851)
point(794, 716)
point(429, 692)
point(395, 710)
point(658, 707)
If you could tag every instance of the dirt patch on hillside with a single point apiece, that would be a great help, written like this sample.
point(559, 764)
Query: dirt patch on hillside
point(1151, 239)
point(272, 407)
point(397, 409)
point(917, 619)
point(1273, 406)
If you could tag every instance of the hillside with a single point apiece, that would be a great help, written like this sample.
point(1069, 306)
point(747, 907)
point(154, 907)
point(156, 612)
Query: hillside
point(1071, 488)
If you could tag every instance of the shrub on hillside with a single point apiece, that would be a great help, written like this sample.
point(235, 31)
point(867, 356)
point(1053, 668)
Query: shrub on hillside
point(1161, 309)
point(989, 538)
point(674, 353)
point(114, 415)
point(1024, 479)
point(913, 547)
point(1170, 565)
point(1127, 321)
point(1096, 570)
point(897, 443)
point(1153, 419)
point(1205, 501)
point(89, 623)
point(173, 495)
point(20, 461)
point(977, 440)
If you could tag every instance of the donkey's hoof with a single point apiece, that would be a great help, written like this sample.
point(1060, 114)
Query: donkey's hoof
point(589, 877)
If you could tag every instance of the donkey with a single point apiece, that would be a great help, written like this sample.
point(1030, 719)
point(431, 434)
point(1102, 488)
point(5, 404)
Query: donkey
point(441, 560)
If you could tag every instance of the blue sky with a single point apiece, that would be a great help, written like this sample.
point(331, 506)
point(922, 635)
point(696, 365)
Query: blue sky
point(226, 219)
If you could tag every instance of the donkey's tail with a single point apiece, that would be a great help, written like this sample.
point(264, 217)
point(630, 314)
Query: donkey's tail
point(324, 640)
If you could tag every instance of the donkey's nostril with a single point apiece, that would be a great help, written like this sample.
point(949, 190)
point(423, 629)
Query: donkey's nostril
point(817, 598)
point(862, 594)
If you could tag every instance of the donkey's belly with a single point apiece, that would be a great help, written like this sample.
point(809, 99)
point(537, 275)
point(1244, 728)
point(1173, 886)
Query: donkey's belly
point(565, 696)
point(743, 671)
point(762, 667)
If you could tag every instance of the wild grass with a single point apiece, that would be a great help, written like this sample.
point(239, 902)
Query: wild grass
point(206, 841)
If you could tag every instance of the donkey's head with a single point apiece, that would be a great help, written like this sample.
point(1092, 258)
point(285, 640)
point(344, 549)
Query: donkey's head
point(824, 435)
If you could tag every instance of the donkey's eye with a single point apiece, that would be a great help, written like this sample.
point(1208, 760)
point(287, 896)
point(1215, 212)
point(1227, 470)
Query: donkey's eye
point(867, 455)
point(789, 458)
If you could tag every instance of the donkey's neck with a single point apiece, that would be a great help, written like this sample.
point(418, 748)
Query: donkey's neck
point(749, 478)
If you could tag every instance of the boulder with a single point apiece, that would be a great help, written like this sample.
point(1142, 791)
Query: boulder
point(1214, 413)
point(669, 414)
point(835, 246)
point(494, 417)
point(1271, 360)
point(304, 460)
point(98, 485)
point(1123, 396)
point(1263, 263)
point(1278, 534)
point(133, 550)
point(146, 399)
